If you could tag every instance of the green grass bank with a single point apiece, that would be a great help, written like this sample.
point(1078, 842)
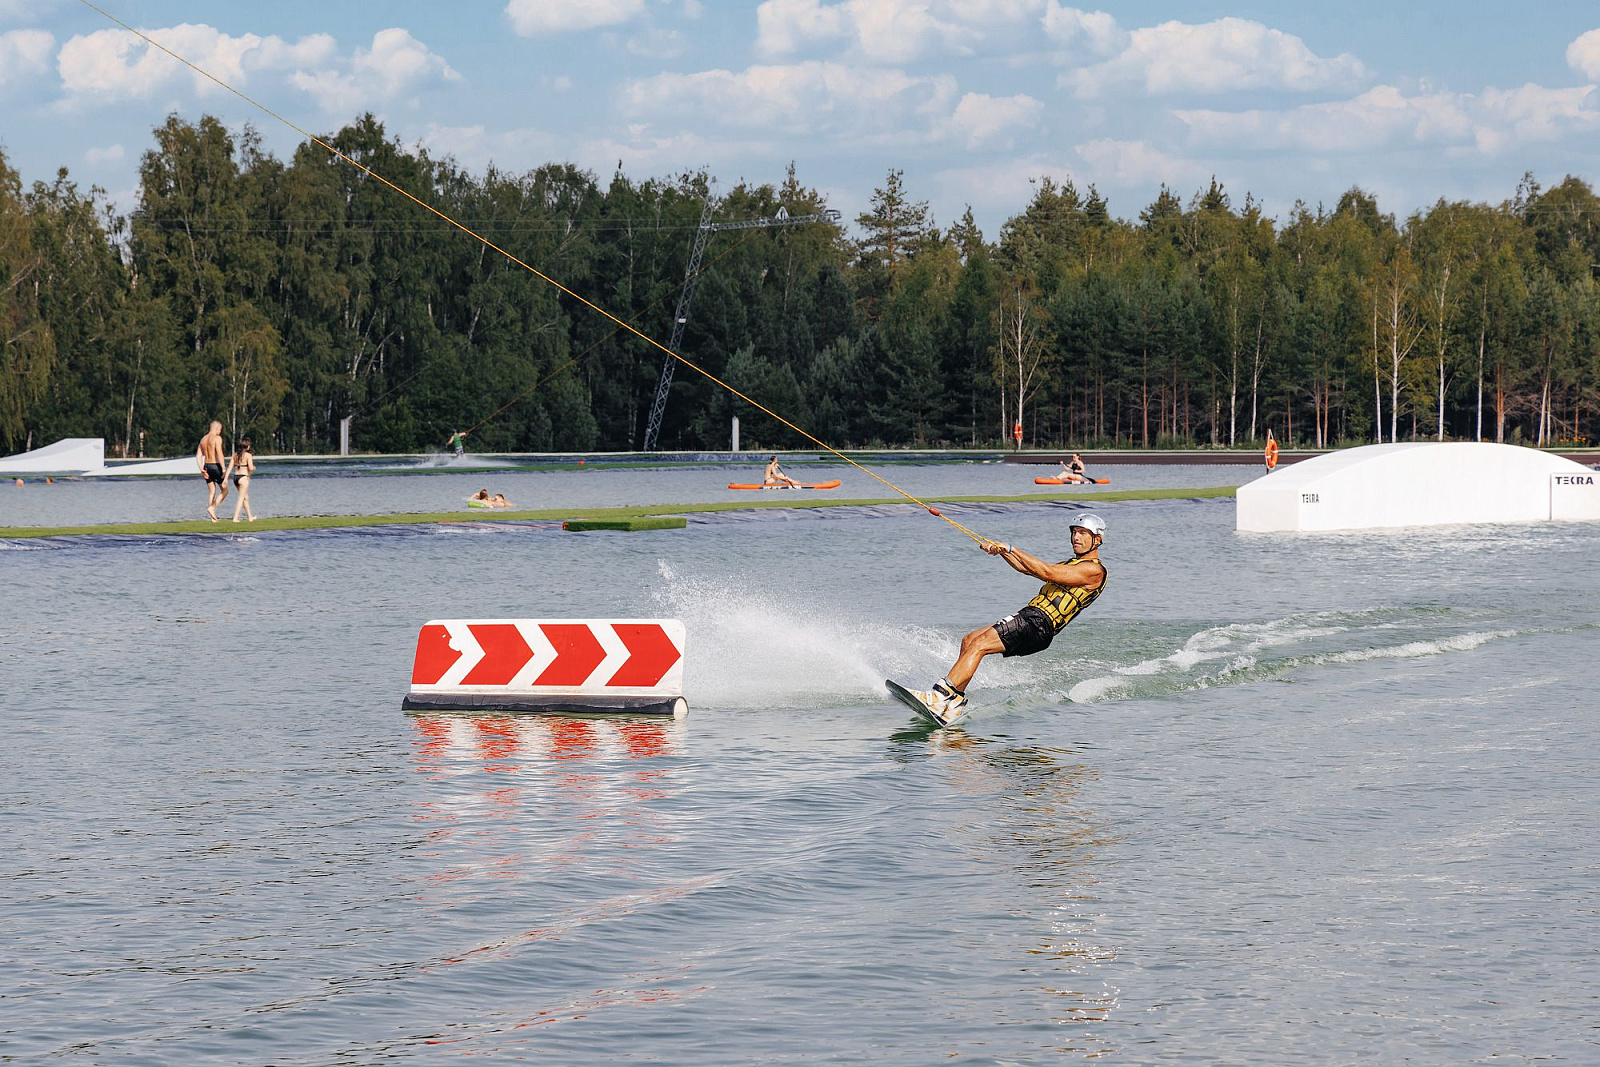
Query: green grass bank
point(571, 515)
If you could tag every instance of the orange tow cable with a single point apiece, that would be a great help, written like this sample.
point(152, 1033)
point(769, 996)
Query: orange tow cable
point(534, 271)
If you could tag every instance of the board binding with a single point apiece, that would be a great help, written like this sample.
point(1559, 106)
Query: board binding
point(909, 699)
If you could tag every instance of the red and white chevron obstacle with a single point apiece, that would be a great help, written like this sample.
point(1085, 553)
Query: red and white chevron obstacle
point(626, 666)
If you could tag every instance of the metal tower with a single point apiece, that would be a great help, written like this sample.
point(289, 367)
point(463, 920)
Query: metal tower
point(681, 316)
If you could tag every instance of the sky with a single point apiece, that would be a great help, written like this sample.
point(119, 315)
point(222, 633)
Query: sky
point(974, 100)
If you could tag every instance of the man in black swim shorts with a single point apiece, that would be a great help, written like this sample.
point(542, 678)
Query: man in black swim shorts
point(1069, 587)
point(208, 456)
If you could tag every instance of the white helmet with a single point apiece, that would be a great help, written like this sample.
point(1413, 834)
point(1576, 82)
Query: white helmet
point(1093, 523)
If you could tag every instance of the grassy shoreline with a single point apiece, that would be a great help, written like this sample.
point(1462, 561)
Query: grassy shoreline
point(330, 522)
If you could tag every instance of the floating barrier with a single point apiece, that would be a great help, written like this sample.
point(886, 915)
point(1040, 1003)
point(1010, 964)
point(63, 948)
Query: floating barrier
point(567, 666)
point(646, 522)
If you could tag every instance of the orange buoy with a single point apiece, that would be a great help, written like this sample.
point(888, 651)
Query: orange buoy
point(1271, 453)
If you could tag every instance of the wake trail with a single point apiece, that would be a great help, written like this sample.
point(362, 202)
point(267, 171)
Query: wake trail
point(1240, 653)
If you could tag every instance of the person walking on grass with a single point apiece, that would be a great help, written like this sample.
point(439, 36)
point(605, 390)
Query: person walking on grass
point(241, 466)
point(208, 457)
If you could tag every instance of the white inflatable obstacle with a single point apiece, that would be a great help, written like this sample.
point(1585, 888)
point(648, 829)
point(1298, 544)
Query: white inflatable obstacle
point(74, 455)
point(1419, 484)
point(180, 466)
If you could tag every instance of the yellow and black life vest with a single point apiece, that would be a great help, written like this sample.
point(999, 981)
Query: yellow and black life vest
point(1061, 603)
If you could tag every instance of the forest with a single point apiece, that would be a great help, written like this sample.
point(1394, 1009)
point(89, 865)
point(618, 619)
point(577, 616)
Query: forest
point(286, 297)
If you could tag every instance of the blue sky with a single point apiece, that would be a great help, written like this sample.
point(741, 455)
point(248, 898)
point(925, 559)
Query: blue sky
point(970, 98)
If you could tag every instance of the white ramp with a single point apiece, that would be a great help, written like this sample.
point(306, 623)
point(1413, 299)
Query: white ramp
point(74, 455)
point(1419, 484)
point(186, 465)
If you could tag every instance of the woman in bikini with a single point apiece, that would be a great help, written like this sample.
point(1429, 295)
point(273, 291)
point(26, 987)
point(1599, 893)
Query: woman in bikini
point(241, 466)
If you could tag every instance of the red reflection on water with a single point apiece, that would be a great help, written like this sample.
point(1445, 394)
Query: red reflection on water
point(497, 740)
point(565, 793)
point(572, 738)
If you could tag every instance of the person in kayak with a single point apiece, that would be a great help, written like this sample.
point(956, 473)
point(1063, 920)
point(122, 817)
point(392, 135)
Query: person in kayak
point(775, 476)
point(1074, 471)
point(1069, 587)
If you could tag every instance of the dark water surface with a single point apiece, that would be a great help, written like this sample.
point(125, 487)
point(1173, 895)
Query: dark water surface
point(1272, 799)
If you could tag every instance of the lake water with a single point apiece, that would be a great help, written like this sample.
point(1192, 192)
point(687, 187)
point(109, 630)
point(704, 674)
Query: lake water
point(1287, 799)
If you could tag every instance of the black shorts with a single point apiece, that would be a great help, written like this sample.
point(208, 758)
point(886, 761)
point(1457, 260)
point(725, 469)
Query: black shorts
point(1026, 632)
point(213, 473)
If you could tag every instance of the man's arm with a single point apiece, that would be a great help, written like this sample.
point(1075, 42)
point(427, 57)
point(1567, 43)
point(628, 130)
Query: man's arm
point(1059, 573)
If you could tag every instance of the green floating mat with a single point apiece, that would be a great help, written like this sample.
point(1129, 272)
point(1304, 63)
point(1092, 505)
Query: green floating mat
point(647, 522)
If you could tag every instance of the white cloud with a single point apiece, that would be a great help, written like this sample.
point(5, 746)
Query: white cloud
point(979, 117)
point(1123, 163)
point(23, 54)
point(997, 187)
point(644, 151)
point(1532, 113)
point(108, 154)
point(809, 97)
point(657, 44)
point(530, 18)
point(116, 63)
point(1215, 57)
point(1385, 117)
point(1583, 55)
point(896, 31)
point(475, 147)
point(1094, 32)
point(395, 64)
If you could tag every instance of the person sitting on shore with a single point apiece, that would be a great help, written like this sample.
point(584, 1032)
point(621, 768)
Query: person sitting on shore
point(775, 476)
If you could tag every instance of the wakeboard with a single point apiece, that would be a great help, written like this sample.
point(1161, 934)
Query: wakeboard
point(909, 699)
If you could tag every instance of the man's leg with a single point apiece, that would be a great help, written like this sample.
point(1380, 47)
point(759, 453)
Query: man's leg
point(974, 646)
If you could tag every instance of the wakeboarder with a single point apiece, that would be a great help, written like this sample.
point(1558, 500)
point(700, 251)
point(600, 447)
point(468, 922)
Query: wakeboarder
point(1069, 587)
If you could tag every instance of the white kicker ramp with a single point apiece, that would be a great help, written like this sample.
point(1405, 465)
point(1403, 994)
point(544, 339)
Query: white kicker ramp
point(179, 466)
point(1419, 484)
point(74, 455)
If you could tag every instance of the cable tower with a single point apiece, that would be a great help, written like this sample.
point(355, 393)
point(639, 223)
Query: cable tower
point(680, 317)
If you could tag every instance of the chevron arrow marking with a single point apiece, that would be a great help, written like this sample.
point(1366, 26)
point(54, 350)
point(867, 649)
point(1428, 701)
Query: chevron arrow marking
point(651, 654)
point(504, 653)
point(578, 653)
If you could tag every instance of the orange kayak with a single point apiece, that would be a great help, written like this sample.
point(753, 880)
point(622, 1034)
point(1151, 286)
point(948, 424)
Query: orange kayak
point(819, 485)
point(1063, 481)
